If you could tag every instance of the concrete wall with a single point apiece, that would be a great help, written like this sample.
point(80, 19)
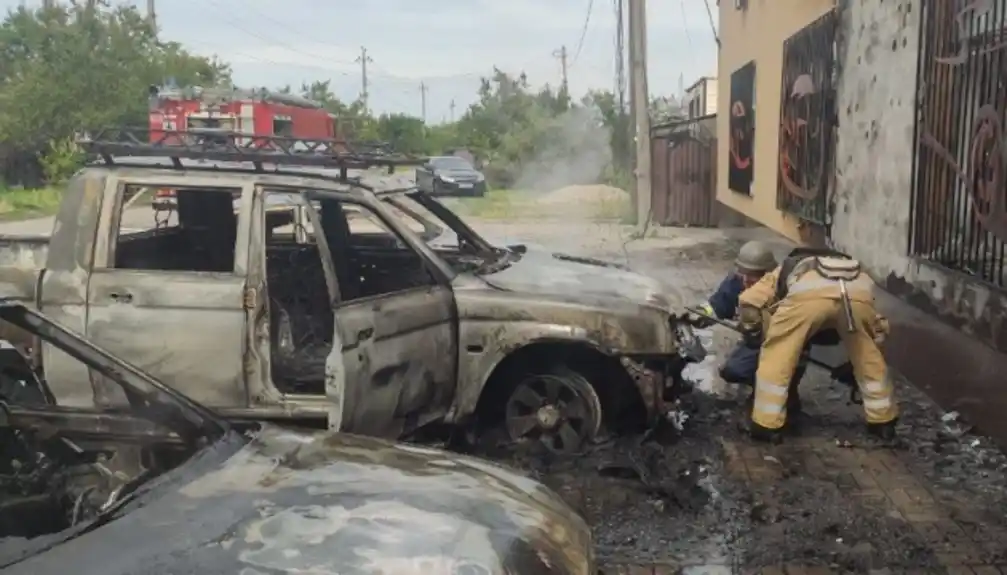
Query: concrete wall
point(873, 189)
point(711, 97)
point(875, 105)
point(758, 33)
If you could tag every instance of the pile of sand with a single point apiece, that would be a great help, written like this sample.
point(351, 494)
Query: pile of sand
point(580, 195)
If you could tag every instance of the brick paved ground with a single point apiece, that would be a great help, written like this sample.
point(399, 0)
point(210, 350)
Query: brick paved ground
point(826, 501)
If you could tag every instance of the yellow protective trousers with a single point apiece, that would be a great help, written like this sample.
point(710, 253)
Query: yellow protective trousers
point(814, 303)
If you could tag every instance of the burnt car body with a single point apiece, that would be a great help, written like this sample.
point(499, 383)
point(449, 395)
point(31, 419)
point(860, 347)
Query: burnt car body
point(450, 176)
point(290, 292)
point(165, 486)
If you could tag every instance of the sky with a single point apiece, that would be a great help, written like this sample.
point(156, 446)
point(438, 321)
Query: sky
point(446, 45)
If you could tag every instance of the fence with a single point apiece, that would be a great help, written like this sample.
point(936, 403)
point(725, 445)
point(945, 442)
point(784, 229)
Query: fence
point(959, 210)
point(806, 120)
point(684, 173)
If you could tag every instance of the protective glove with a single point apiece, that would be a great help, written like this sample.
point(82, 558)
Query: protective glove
point(704, 316)
point(880, 329)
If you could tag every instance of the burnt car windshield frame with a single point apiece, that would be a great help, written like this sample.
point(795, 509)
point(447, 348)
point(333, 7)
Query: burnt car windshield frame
point(450, 219)
point(126, 375)
point(441, 270)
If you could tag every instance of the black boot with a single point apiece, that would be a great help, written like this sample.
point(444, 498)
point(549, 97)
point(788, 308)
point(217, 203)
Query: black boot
point(795, 415)
point(754, 430)
point(882, 431)
point(759, 433)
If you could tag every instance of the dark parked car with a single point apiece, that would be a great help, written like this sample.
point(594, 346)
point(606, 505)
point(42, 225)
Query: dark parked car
point(450, 176)
point(163, 486)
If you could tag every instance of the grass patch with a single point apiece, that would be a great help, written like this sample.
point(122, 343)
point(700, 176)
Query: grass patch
point(21, 204)
point(495, 205)
point(522, 204)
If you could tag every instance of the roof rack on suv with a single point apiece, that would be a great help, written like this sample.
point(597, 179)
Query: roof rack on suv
point(224, 146)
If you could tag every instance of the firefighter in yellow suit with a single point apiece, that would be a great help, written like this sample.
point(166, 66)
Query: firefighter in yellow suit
point(813, 291)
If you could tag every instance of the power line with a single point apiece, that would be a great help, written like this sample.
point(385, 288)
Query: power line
point(685, 26)
point(713, 27)
point(261, 37)
point(583, 32)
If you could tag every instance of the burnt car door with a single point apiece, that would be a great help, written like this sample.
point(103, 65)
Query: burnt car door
point(167, 289)
point(425, 177)
point(396, 319)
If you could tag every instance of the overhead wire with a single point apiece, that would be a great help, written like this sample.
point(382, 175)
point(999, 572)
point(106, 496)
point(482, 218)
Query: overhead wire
point(713, 25)
point(583, 34)
point(377, 74)
point(685, 26)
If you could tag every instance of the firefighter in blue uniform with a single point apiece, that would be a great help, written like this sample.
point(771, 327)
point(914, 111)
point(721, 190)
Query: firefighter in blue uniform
point(755, 259)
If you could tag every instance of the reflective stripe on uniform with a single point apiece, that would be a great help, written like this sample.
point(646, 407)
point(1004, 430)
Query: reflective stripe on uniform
point(875, 387)
point(878, 404)
point(862, 283)
point(771, 408)
point(771, 388)
point(770, 398)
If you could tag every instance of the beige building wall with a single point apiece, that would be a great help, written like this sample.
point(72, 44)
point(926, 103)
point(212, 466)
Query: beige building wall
point(711, 96)
point(758, 33)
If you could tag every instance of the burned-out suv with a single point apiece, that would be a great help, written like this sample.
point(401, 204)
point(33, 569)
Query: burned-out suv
point(283, 288)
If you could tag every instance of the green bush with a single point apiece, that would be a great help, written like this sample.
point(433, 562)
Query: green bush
point(61, 160)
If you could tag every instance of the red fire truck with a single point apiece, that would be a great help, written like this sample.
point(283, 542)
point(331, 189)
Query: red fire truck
point(211, 111)
point(256, 113)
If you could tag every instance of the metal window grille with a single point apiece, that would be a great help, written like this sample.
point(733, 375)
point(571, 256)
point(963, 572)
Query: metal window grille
point(806, 121)
point(959, 201)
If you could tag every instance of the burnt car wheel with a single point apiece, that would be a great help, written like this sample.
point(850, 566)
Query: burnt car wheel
point(560, 409)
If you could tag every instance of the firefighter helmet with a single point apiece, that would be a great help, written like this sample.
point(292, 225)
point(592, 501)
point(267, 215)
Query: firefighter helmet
point(755, 257)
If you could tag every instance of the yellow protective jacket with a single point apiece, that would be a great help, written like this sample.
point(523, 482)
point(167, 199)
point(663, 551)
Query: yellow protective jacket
point(757, 303)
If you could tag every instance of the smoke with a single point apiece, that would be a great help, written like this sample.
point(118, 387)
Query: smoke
point(574, 149)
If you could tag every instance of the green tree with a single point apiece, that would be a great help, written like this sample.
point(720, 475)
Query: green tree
point(405, 133)
point(69, 68)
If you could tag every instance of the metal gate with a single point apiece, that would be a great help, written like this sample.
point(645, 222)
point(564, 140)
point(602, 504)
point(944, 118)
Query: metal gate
point(959, 212)
point(684, 173)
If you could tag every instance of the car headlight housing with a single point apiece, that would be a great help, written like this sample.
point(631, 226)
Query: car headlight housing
point(447, 179)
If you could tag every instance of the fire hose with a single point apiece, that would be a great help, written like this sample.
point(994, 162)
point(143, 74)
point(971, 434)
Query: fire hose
point(846, 377)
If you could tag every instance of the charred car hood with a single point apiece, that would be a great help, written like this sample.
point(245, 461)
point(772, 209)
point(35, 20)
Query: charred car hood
point(287, 502)
point(541, 272)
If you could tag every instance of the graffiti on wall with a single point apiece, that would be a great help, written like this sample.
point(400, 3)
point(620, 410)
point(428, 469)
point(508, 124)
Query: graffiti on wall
point(962, 127)
point(741, 127)
point(806, 122)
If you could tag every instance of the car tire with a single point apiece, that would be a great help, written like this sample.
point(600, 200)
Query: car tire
point(557, 407)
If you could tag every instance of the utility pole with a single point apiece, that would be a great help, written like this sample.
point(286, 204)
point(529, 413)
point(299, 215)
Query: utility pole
point(620, 54)
point(364, 59)
point(561, 54)
point(451, 107)
point(639, 100)
point(423, 100)
point(152, 16)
